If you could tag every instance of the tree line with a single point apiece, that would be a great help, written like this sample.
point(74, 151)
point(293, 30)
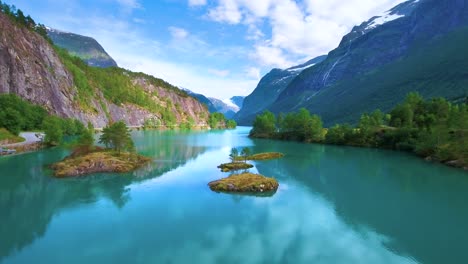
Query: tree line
point(18, 16)
point(432, 128)
point(219, 121)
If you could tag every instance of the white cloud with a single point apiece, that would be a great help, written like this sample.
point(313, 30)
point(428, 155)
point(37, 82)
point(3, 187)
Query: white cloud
point(270, 56)
point(299, 29)
point(178, 33)
point(253, 72)
point(219, 73)
point(139, 20)
point(227, 11)
point(130, 4)
point(197, 2)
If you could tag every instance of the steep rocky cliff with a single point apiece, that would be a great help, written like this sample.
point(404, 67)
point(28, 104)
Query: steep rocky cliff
point(31, 68)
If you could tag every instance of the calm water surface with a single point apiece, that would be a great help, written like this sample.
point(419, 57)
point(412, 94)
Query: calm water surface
point(334, 205)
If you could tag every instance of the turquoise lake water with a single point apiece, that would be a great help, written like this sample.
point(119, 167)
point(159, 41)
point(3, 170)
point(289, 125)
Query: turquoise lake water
point(334, 205)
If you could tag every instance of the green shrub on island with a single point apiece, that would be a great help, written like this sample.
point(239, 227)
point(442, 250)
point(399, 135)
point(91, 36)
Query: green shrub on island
point(117, 137)
point(118, 156)
point(246, 154)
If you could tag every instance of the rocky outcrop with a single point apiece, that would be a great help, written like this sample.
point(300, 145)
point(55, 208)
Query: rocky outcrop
point(30, 68)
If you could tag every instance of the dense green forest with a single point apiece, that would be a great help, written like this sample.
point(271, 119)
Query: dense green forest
point(18, 115)
point(433, 128)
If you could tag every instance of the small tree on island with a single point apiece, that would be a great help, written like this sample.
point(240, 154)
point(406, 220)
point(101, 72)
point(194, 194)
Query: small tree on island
point(117, 137)
point(245, 153)
point(234, 154)
point(86, 139)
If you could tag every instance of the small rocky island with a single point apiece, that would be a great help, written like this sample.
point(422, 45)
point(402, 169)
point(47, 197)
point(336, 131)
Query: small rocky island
point(263, 156)
point(99, 161)
point(234, 166)
point(118, 156)
point(244, 183)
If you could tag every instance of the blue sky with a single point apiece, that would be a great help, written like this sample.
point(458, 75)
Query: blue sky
point(220, 48)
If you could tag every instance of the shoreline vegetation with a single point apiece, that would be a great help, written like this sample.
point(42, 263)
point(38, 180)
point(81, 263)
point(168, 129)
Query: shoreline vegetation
point(434, 129)
point(6, 137)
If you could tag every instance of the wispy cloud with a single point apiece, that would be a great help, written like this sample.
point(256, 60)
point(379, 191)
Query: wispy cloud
point(129, 4)
point(300, 29)
point(219, 73)
point(178, 33)
point(197, 2)
point(253, 72)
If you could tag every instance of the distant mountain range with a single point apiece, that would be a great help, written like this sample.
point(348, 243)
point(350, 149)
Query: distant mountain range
point(228, 107)
point(86, 48)
point(268, 90)
point(419, 45)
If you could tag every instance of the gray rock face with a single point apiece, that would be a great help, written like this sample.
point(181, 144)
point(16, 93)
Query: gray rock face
point(30, 68)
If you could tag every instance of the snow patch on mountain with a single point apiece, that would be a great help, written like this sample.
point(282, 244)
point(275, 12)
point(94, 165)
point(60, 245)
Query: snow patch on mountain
point(383, 19)
point(231, 104)
point(301, 68)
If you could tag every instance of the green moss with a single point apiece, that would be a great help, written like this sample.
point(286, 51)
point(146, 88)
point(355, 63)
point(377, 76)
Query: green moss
point(245, 183)
point(226, 167)
point(96, 162)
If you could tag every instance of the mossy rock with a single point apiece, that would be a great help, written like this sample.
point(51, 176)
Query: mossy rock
point(98, 162)
point(233, 166)
point(263, 156)
point(245, 183)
